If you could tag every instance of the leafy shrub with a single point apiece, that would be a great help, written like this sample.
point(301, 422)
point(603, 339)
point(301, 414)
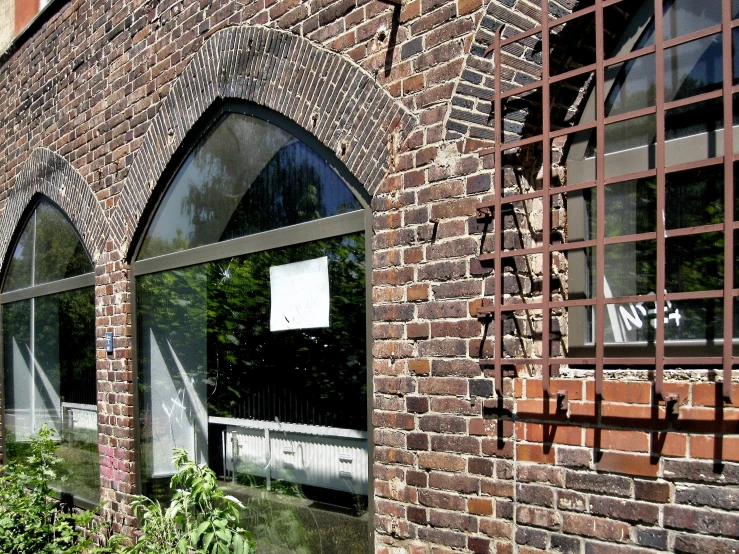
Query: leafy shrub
point(31, 521)
point(199, 520)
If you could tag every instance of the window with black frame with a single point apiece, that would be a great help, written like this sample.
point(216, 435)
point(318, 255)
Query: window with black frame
point(251, 300)
point(48, 324)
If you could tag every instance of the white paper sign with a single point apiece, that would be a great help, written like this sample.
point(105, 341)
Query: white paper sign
point(300, 298)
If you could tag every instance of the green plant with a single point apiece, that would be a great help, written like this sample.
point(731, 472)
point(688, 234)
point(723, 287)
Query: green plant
point(31, 521)
point(200, 519)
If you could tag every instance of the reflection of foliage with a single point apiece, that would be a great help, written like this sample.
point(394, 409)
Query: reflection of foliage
point(31, 522)
point(57, 252)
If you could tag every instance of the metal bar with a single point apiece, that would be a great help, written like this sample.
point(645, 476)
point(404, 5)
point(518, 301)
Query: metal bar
point(629, 238)
point(728, 198)
point(630, 56)
point(498, 278)
point(629, 177)
point(600, 271)
point(546, 198)
point(692, 36)
point(55, 287)
point(352, 222)
point(697, 295)
point(630, 115)
point(693, 99)
point(695, 165)
point(687, 231)
point(660, 304)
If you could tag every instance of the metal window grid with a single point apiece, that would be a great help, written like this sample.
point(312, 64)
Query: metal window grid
point(493, 211)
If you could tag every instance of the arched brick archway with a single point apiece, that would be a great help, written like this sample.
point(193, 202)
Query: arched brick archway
point(323, 92)
point(47, 173)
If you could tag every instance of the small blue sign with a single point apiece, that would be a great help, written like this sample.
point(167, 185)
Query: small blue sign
point(109, 342)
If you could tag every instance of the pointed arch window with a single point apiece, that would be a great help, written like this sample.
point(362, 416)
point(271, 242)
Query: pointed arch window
point(48, 328)
point(251, 303)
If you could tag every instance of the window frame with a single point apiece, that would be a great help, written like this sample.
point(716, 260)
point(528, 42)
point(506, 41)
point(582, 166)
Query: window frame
point(38, 291)
point(351, 222)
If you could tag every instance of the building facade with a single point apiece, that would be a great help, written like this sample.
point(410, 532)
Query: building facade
point(411, 277)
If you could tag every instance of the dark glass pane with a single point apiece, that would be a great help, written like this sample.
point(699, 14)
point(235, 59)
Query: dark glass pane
point(59, 251)
point(632, 133)
point(735, 8)
point(20, 268)
point(222, 375)
point(735, 53)
point(632, 85)
point(696, 119)
point(695, 197)
point(631, 269)
point(694, 263)
point(682, 17)
point(693, 68)
point(631, 207)
point(50, 380)
point(247, 176)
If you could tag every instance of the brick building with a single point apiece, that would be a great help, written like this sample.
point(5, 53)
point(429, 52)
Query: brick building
point(267, 231)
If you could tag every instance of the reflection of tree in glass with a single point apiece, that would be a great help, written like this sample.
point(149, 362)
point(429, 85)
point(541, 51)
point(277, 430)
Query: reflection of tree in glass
point(314, 376)
point(59, 252)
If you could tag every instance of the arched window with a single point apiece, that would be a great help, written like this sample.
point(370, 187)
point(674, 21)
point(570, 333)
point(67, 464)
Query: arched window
point(633, 216)
point(48, 325)
point(251, 302)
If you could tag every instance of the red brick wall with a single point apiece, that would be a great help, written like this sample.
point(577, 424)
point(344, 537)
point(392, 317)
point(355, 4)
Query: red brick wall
point(455, 470)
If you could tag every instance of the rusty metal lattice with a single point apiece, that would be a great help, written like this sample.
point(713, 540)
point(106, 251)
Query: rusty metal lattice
point(494, 211)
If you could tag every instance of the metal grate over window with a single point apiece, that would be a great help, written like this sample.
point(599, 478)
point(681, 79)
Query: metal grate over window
point(640, 272)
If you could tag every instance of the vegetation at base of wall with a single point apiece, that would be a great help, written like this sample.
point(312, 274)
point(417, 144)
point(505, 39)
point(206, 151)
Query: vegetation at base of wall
point(31, 520)
point(200, 519)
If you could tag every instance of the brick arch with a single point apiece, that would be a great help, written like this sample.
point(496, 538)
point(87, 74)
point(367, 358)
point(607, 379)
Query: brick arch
point(47, 173)
point(323, 92)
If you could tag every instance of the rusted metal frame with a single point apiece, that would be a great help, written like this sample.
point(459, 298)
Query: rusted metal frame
point(693, 100)
point(728, 199)
point(695, 165)
point(601, 198)
point(630, 115)
point(546, 144)
point(511, 254)
point(579, 245)
point(483, 208)
point(698, 230)
point(630, 177)
point(734, 23)
point(660, 304)
point(695, 295)
point(677, 41)
point(517, 91)
point(607, 241)
point(621, 58)
point(498, 216)
point(631, 299)
point(549, 24)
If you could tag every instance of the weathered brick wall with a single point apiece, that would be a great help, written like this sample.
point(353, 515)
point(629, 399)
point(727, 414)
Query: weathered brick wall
point(456, 470)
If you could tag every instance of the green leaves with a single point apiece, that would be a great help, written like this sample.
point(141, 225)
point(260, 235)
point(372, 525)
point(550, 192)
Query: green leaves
point(30, 521)
point(199, 520)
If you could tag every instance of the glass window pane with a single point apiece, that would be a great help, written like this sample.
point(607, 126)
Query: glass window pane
point(693, 68)
point(631, 85)
point(694, 263)
point(48, 247)
point(59, 251)
point(682, 17)
point(50, 379)
point(631, 269)
point(695, 197)
point(631, 207)
point(217, 380)
point(247, 176)
point(20, 268)
point(694, 132)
